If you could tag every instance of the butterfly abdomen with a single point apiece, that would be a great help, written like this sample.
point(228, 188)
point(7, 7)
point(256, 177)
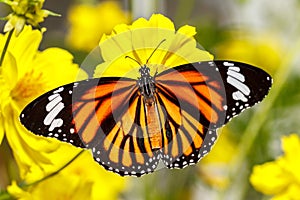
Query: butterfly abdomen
point(153, 123)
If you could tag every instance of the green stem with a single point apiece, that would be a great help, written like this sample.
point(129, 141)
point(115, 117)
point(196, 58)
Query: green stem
point(256, 122)
point(6, 46)
point(54, 173)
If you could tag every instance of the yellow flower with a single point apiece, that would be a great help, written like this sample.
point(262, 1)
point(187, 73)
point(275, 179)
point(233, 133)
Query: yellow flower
point(280, 178)
point(25, 11)
point(264, 51)
point(25, 74)
point(214, 168)
point(140, 39)
point(89, 22)
point(84, 179)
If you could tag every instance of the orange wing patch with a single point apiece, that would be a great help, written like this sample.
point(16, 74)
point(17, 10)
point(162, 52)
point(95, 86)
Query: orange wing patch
point(189, 103)
point(114, 126)
point(196, 92)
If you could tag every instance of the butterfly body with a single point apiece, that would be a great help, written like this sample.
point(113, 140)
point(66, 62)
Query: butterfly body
point(130, 125)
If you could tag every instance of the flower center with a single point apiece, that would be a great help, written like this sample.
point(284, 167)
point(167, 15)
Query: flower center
point(28, 87)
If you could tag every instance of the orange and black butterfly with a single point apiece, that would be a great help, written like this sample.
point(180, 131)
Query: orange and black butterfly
point(131, 125)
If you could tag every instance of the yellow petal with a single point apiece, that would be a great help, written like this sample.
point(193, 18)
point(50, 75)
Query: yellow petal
point(187, 30)
point(217, 155)
point(88, 181)
point(24, 48)
point(55, 188)
point(291, 192)
point(9, 70)
point(156, 20)
point(65, 71)
point(269, 178)
point(25, 145)
point(106, 185)
point(112, 49)
point(291, 144)
point(140, 40)
point(291, 148)
point(36, 156)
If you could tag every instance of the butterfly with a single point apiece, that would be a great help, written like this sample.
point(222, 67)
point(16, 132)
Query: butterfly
point(132, 125)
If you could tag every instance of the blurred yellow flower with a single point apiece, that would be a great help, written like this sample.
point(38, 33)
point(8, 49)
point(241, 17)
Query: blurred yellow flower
point(139, 40)
point(25, 74)
point(264, 51)
point(214, 168)
point(25, 11)
point(280, 178)
point(89, 22)
point(84, 180)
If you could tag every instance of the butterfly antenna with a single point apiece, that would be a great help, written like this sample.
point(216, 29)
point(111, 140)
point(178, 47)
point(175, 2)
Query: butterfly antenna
point(134, 60)
point(155, 50)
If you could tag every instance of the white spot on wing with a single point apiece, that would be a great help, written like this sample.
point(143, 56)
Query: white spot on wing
point(238, 85)
point(225, 107)
point(237, 69)
point(237, 79)
point(228, 64)
point(58, 90)
point(239, 96)
point(211, 63)
point(56, 123)
point(236, 75)
point(53, 102)
point(53, 113)
point(54, 107)
point(72, 130)
point(53, 96)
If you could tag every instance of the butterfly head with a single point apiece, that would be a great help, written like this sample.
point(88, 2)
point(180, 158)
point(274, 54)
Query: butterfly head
point(144, 71)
